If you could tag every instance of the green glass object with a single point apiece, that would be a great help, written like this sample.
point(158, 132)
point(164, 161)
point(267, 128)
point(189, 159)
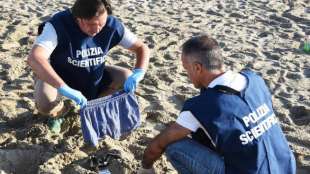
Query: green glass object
point(306, 47)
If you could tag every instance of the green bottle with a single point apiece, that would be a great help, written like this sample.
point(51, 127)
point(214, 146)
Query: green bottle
point(307, 45)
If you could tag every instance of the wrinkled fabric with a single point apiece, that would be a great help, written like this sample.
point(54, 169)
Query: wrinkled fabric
point(114, 115)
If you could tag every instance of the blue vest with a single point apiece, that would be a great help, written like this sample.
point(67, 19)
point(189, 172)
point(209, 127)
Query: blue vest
point(244, 129)
point(78, 58)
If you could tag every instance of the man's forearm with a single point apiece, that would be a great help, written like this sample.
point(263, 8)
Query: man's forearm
point(154, 150)
point(143, 54)
point(45, 72)
point(151, 154)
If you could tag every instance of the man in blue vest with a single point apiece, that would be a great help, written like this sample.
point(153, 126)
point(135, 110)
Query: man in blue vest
point(229, 128)
point(69, 57)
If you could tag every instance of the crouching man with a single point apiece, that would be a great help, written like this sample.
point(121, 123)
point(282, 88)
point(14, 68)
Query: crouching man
point(229, 128)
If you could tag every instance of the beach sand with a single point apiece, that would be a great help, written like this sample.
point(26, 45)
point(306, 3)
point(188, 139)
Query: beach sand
point(265, 36)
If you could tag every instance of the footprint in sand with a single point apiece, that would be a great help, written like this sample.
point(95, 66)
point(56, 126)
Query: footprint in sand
point(271, 56)
point(166, 77)
point(300, 115)
point(293, 76)
point(150, 41)
point(20, 160)
point(271, 72)
point(24, 40)
point(4, 68)
point(307, 72)
point(169, 56)
point(178, 100)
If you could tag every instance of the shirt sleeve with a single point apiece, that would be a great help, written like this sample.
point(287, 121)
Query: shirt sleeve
point(48, 38)
point(188, 120)
point(128, 38)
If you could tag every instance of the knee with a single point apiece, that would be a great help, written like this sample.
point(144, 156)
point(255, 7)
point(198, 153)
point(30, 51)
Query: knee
point(44, 109)
point(49, 109)
point(45, 97)
point(119, 78)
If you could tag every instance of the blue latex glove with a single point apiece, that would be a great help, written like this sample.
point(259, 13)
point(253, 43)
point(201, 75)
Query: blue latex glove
point(73, 94)
point(133, 80)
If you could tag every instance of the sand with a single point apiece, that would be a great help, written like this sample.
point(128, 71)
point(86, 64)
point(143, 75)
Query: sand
point(265, 36)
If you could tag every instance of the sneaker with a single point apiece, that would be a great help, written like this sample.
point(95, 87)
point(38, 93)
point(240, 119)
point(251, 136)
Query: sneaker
point(54, 124)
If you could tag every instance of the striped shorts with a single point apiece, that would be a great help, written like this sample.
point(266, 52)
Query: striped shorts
point(114, 115)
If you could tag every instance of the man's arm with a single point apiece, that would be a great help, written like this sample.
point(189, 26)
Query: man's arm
point(157, 146)
point(142, 53)
point(38, 60)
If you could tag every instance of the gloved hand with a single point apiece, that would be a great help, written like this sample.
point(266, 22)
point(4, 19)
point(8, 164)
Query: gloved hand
point(73, 94)
point(146, 171)
point(133, 80)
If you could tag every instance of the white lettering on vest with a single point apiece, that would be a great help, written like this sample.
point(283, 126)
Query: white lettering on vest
point(87, 62)
point(253, 117)
point(261, 128)
point(85, 53)
point(95, 52)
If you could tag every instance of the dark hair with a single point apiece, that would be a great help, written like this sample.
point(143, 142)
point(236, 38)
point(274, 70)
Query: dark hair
point(205, 50)
point(86, 9)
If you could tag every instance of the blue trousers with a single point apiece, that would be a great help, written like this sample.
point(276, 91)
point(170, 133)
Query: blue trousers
point(189, 157)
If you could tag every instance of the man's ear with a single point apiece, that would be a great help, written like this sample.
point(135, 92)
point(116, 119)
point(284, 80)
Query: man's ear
point(79, 20)
point(197, 68)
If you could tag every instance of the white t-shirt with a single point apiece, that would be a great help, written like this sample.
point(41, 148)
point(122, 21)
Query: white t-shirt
point(230, 79)
point(48, 38)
